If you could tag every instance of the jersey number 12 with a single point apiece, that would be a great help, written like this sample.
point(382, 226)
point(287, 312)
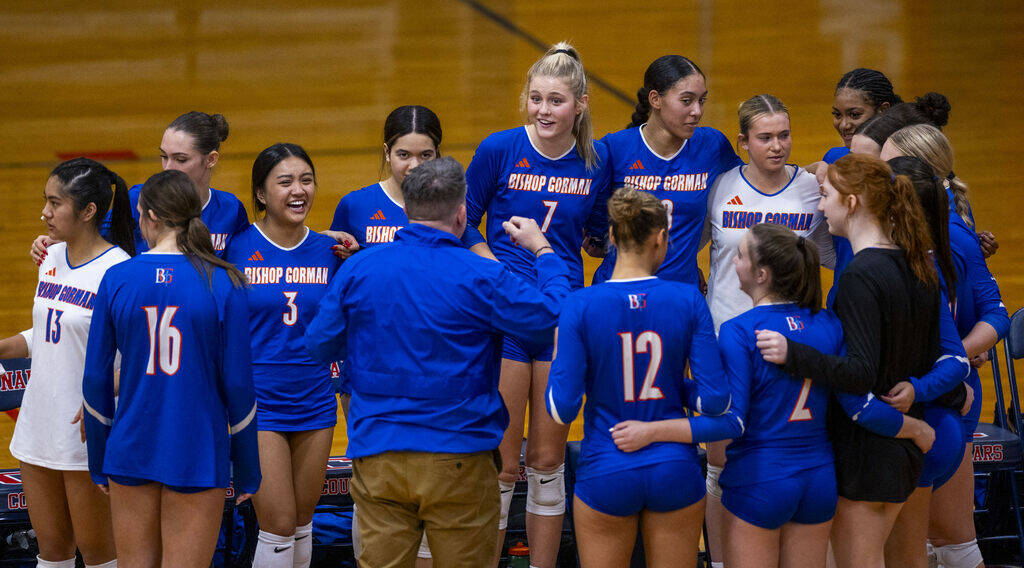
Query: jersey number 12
point(646, 342)
point(164, 340)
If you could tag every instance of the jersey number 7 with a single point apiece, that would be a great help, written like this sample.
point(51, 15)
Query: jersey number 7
point(646, 342)
point(800, 411)
point(164, 340)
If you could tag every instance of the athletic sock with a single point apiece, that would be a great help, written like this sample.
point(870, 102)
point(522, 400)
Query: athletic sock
point(274, 551)
point(69, 563)
point(303, 546)
point(111, 564)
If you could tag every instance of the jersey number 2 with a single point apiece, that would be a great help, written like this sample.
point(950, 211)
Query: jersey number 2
point(164, 340)
point(800, 410)
point(646, 342)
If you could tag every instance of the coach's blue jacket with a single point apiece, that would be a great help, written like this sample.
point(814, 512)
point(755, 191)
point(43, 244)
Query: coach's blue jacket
point(419, 323)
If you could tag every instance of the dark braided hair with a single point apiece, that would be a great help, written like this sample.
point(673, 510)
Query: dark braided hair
point(874, 85)
point(87, 181)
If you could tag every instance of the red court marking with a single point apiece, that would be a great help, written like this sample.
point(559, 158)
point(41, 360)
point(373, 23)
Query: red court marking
point(100, 155)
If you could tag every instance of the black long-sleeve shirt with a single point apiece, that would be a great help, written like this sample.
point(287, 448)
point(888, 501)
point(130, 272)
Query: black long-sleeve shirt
point(891, 329)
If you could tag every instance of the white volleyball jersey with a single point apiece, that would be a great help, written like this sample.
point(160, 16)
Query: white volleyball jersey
point(61, 314)
point(734, 205)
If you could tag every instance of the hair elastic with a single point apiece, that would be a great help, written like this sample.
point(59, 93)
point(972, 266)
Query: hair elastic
point(951, 176)
point(565, 51)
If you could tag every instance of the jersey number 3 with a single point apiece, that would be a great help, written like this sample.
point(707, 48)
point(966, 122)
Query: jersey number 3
point(164, 340)
point(292, 315)
point(646, 342)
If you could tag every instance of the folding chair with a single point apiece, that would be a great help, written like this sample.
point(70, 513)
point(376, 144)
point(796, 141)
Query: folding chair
point(998, 450)
point(17, 543)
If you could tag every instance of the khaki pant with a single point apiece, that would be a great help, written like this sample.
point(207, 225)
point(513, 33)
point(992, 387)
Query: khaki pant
point(453, 497)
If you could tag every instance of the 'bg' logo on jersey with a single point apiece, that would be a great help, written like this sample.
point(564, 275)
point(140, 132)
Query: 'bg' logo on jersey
point(637, 301)
point(164, 275)
point(794, 323)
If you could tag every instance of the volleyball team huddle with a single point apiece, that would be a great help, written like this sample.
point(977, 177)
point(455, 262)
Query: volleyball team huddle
point(841, 432)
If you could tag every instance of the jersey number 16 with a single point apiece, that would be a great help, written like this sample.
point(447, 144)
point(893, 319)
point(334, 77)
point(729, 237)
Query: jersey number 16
point(164, 340)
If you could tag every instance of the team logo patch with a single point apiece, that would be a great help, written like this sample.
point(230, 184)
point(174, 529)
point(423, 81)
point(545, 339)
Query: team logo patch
point(164, 275)
point(523, 163)
point(256, 256)
point(52, 272)
point(378, 216)
point(735, 201)
point(637, 301)
point(637, 165)
point(794, 323)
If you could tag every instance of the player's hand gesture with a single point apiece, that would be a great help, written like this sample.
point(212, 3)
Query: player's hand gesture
point(81, 423)
point(773, 346)
point(38, 250)
point(901, 396)
point(989, 244)
point(347, 244)
point(923, 434)
point(525, 233)
point(632, 435)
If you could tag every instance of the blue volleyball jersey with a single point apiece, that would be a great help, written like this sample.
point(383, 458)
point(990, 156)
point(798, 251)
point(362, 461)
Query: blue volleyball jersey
point(286, 285)
point(977, 294)
point(370, 215)
point(626, 345)
point(834, 154)
point(185, 409)
point(224, 215)
point(509, 177)
point(783, 415)
point(681, 182)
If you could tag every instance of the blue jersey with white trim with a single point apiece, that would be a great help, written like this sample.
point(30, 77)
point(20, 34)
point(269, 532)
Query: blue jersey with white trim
point(186, 408)
point(224, 215)
point(783, 416)
point(626, 345)
point(681, 182)
point(370, 215)
point(508, 176)
point(285, 288)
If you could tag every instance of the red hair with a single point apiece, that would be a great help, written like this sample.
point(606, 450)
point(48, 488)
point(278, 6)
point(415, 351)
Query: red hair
point(894, 204)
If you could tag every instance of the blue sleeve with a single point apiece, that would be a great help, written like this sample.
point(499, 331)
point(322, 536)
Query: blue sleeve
point(951, 368)
point(98, 382)
point(526, 312)
point(566, 383)
point(871, 413)
point(481, 184)
point(326, 336)
point(713, 392)
point(340, 221)
point(988, 303)
point(734, 350)
point(241, 219)
point(236, 389)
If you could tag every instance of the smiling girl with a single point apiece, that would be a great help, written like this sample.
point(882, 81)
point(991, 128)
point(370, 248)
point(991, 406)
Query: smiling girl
point(551, 171)
point(289, 267)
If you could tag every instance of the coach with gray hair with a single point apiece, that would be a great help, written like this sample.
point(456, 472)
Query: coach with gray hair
point(419, 323)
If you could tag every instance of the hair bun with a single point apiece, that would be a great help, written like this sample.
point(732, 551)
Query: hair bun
point(221, 124)
point(935, 106)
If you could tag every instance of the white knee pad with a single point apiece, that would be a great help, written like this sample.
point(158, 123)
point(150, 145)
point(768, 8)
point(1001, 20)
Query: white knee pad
point(545, 491)
point(424, 551)
point(711, 483)
point(506, 488)
point(965, 555)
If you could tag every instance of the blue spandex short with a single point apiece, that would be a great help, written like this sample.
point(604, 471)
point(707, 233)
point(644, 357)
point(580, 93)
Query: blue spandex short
point(515, 350)
point(136, 481)
point(661, 487)
point(808, 497)
point(942, 461)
